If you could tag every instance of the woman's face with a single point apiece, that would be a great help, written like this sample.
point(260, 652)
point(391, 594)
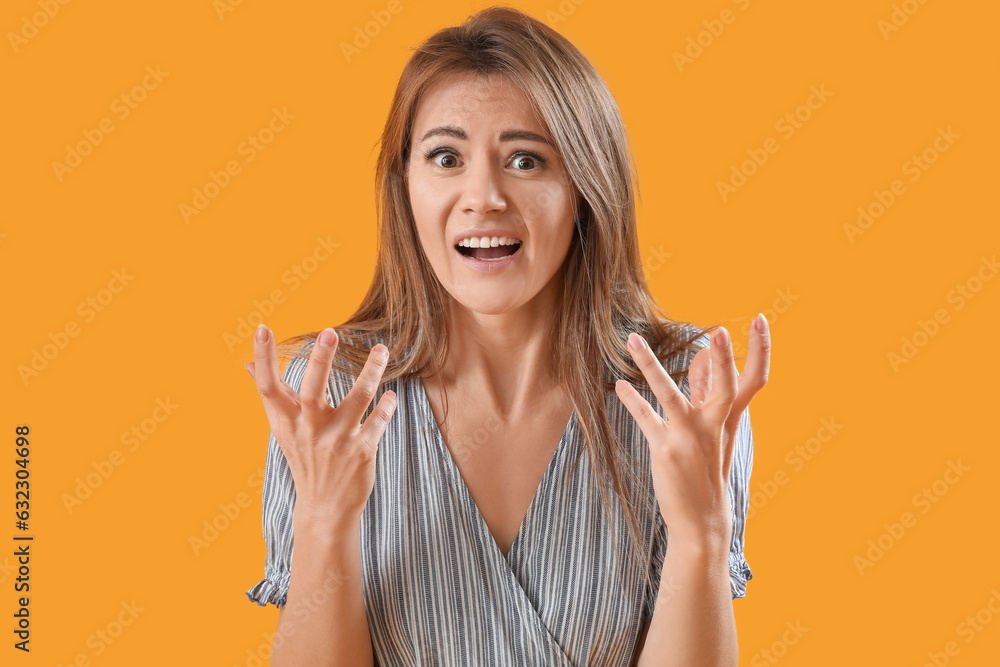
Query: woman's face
point(480, 165)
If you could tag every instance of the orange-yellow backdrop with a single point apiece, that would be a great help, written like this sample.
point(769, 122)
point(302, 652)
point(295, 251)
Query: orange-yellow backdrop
point(832, 164)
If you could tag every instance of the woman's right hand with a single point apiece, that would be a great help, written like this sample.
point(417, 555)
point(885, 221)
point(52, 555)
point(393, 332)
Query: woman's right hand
point(330, 454)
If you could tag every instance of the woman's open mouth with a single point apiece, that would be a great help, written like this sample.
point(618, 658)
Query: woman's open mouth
point(489, 254)
point(490, 258)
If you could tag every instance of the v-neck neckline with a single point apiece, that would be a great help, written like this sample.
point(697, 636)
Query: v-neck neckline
point(439, 437)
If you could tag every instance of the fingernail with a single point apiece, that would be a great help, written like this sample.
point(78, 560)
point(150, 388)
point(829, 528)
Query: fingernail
point(326, 337)
point(381, 350)
point(722, 337)
point(761, 323)
point(636, 342)
point(261, 333)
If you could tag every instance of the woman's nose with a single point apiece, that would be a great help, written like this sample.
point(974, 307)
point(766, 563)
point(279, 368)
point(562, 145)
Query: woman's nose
point(482, 188)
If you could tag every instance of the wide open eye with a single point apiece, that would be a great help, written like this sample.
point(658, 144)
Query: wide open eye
point(532, 160)
point(449, 161)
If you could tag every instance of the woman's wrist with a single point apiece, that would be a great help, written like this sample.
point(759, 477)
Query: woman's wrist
point(321, 523)
point(703, 546)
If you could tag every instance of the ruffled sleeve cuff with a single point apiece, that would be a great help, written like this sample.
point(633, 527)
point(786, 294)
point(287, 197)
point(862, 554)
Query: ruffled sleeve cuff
point(739, 574)
point(273, 589)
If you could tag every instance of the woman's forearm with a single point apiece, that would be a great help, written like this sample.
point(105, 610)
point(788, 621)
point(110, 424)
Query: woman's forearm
point(324, 620)
point(693, 623)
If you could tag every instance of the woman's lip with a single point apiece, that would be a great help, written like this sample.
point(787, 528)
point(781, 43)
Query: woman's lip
point(490, 265)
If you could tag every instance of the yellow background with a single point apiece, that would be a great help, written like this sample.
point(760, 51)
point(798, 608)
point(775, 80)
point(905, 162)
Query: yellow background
point(839, 306)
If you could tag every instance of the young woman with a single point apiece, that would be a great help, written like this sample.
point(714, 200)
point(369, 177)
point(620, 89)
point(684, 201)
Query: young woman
point(505, 501)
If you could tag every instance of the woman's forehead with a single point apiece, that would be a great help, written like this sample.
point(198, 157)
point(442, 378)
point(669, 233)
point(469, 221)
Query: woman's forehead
point(479, 83)
point(459, 99)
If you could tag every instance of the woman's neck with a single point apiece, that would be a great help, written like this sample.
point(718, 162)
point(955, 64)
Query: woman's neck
point(501, 361)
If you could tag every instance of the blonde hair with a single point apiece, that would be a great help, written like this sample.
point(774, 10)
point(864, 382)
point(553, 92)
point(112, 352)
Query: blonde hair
point(605, 294)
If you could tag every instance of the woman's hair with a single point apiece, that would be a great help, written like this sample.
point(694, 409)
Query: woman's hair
point(605, 295)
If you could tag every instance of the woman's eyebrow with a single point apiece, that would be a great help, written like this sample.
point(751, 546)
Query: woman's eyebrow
point(506, 135)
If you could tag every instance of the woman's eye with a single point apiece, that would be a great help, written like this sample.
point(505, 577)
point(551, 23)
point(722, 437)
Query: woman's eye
point(449, 159)
point(521, 161)
point(527, 161)
point(446, 160)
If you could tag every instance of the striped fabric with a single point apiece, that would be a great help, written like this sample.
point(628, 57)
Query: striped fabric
point(438, 590)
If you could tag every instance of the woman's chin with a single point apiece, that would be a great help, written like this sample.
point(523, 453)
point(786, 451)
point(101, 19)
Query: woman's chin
point(480, 306)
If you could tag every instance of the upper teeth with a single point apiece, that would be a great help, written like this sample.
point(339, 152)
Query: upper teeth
point(488, 241)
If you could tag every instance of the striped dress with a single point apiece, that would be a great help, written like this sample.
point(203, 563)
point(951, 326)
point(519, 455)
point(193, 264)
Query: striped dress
point(437, 588)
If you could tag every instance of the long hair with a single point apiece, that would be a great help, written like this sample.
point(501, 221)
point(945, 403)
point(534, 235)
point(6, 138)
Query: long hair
point(605, 294)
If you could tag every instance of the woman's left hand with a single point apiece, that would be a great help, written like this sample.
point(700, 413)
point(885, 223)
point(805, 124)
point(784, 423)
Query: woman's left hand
point(691, 451)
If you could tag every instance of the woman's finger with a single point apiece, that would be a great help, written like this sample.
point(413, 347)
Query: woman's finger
point(725, 377)
point(266, 373)
point(758, 365)
point(361, 394)
point(312, 391)
point(645, 416)
point(378, 420)
point(754, 375)
point(700, 376)
point(674, 404)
